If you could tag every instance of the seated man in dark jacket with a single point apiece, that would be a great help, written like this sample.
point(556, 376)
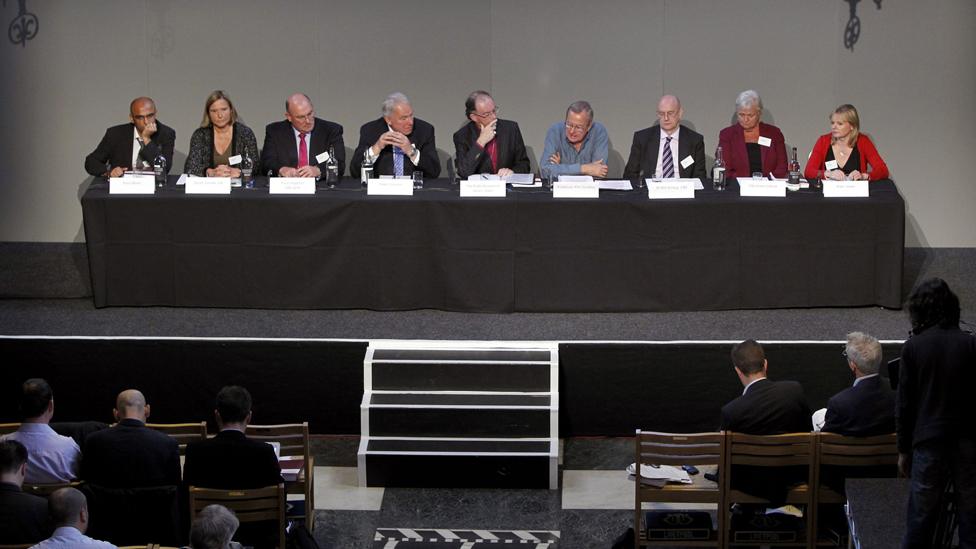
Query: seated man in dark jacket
point(231, 461)
point(23, 517)
point(867, 407)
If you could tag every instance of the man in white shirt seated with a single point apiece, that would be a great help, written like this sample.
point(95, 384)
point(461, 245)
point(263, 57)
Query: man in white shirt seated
point(69, 512)
point(52, 458)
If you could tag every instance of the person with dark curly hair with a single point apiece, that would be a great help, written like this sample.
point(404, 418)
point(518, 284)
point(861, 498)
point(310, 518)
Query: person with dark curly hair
point(934, 417)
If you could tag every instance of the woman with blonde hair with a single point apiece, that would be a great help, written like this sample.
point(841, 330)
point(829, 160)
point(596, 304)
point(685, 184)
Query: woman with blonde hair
point(845, 152)
point(220, 137)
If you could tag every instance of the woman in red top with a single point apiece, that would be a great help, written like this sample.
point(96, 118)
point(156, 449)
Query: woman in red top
point(845, 153)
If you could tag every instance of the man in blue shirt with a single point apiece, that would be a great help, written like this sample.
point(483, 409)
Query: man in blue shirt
point(577, 146)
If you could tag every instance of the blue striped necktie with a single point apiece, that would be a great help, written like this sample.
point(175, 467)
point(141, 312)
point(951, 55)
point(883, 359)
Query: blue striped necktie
point(397, 161)
point(667, 161)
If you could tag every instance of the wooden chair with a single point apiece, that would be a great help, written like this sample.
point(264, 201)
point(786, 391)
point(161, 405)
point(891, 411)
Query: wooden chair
point(293, 441)
point(254, 505)
point(774, 451)
point(856, 454)
point(699, 449)
point(182, 432)
point(18, 546)
point(6, 429)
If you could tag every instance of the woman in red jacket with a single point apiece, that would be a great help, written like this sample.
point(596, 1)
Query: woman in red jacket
point(845, 153)
point(752, 146)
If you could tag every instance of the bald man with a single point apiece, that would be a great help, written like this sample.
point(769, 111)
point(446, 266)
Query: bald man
point(130, 455)
point(133, 146)
point(298, 146)
point(685, 156)
point(68, 508)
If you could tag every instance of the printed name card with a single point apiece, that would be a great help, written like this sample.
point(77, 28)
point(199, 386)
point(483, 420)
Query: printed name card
point(485, 188)
point(765, 141)
point(132, 184)
point(322, 157)
point(761, 187)
point(234, 160)
point(671, 188)
point(291, 185)
point(575, 186)
point(207, 185)
point(389, 187)
point(848, 189)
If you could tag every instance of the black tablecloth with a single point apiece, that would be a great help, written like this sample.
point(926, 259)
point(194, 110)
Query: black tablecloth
point(342, 249)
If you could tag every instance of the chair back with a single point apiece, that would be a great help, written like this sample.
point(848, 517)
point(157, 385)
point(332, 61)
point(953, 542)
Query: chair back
point(127, 516)
point(6, 429)
point(45, 490)
point(834, 449)
point(293, 440)
point(250, 506)
point(182, 432)
point(703, 450)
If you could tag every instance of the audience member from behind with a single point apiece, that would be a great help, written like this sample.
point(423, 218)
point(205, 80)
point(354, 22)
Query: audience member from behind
point(51, 457)
point(765, 408)
point(220, 137)
point(129, 454)
point(69, 512)
point(213, 528)
point(23, 517)
point(230, 459)
point(934, 415)
point(845, 152)
point(867, 407)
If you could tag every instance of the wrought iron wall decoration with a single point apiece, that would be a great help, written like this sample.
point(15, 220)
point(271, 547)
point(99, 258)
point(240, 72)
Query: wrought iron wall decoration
point(23, 27)
point(852, 32)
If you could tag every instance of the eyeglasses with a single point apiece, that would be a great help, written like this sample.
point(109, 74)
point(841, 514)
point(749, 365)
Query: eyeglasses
point(486, 114)
point(668, 114)
point(308, 116)
point(844, 353)
point(575, 127)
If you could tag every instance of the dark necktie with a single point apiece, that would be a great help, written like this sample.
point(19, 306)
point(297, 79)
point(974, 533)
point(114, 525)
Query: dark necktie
point(667, 162)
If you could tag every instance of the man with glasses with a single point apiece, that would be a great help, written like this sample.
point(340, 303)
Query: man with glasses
point(488, 144)
point(299, 145)
point(132, 146)
point(668, 148)
point(397, 143)
point(578, 146)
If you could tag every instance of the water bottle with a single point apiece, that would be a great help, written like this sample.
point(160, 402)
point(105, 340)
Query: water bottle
point(367, 171)
point(331, 169)
point(718, 171)
point(247, 171)
point(159, 168)
point(794, 177)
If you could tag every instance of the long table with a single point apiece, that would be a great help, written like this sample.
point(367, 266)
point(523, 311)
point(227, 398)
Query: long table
point(342, 249)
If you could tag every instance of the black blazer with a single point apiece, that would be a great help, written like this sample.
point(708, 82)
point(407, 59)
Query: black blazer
point(115, 148)
point(23, 517)
point(472, 159)
point(643, 153)
point(130, 455)
point(281, 151)
point(862, 410)
point(422, 137)
point(768, 408)
point(230, 460)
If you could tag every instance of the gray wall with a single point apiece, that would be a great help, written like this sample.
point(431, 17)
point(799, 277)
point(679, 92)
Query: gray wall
point(911, 75)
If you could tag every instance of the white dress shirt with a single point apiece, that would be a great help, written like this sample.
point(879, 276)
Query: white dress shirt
point(69, 537)
point(51, 457)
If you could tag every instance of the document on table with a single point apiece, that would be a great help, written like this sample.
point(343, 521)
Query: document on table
point(522, 180)
point(615, 185)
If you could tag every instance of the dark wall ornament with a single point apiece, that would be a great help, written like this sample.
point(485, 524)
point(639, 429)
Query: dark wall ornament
point(23, 27)
point(852, 32)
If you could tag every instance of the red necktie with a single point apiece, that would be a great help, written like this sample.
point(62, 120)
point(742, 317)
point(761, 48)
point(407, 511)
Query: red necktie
point(492, 148)
point(302, 151)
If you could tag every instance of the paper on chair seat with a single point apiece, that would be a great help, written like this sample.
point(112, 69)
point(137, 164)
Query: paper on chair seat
point(662, 472)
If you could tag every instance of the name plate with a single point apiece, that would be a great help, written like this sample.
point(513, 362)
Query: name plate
point(671, 188)
point(207, 185)
point(761, 187)
point(849, 189)
point(132, 184)
point(291, 185)
point(575, 188)
point(389, 187)
point(494, 188)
